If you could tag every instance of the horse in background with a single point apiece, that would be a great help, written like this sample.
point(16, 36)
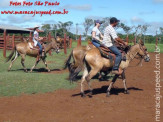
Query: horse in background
point(25, 48)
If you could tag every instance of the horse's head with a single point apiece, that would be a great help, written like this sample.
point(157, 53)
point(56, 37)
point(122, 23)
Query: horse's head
point(55, 46)
point(142, 51)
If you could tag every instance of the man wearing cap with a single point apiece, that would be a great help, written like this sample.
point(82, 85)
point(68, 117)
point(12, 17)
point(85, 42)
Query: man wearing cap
point(96, 34)
point(36, 39)
point(110, 36)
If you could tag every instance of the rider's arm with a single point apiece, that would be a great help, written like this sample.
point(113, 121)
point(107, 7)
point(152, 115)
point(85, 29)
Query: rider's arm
point(120, 41)
point(101, 35)
point(94, 36)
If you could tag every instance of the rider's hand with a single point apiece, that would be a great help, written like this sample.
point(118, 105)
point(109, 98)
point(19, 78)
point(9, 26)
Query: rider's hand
point(125, 43)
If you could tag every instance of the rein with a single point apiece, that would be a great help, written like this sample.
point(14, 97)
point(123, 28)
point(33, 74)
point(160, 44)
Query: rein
point(131, 58)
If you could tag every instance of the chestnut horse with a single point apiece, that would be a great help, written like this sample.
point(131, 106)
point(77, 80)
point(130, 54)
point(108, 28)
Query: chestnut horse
point(77, 65)
point(95, 63)
point(22, 49)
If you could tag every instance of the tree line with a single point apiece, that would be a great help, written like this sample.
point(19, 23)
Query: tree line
point(133, 32)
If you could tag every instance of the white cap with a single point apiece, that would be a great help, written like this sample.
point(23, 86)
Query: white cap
point(36, 26)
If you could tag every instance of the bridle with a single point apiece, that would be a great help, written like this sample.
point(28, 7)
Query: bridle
point(133, 55)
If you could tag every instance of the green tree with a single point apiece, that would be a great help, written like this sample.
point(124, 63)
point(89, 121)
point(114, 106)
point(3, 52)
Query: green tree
point(46, 28)
point(87, 24)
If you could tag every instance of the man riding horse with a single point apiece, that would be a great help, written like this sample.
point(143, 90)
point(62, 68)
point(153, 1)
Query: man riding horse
point(110, 36)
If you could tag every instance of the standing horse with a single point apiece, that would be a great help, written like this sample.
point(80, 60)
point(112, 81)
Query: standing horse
point(22, 49)
point(94, 63)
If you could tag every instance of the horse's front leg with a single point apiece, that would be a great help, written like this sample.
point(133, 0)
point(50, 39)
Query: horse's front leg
point(124, 82)
point(46, 65)
point(111, 84)
point(22, 62)
point(37, 61)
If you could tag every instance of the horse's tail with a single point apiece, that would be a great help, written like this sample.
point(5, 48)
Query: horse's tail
point(11, 55)
point(67, 62)
point(74, 71)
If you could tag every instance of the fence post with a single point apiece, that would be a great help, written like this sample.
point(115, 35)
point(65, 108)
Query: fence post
point(13, 40)
point(65, 46)
point(4, 48)
point(70, 46)
point(49, 39)
point(7, 42)
point(30, 37)
point(127, 39)
point(79, 41)
point(156, 43)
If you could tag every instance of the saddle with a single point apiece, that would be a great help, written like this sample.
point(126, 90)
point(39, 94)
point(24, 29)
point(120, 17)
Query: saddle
point(31, 45)
point(107, 53)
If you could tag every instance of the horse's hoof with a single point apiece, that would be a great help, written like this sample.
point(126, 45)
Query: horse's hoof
point(108, 94)
point(8, 70)
point(101, 79)
point(49, 70)
point(25, 71)
point(91, 92)
point(83, 95)
point(126, 92)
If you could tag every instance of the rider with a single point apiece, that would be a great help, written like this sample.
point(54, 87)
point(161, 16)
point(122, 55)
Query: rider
point(37, 39)
point(96, 34)
point(110, 36)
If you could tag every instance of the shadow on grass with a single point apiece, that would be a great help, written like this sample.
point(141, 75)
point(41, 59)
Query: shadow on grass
point(37, 70)
point(96, 77)
point(103, 89)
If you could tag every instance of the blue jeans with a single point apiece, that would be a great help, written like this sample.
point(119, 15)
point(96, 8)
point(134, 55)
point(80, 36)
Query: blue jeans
point(40, 46)
point(95, 43)
point(118, 58)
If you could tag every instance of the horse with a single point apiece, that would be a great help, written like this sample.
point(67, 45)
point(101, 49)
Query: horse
point(94, 63)
point(24, 48)
point(77, 65)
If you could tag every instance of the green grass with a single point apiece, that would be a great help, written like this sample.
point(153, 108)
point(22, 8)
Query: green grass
point(16, 82)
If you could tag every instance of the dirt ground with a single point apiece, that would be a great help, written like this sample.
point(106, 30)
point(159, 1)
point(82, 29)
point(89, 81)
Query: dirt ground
point(68, 106)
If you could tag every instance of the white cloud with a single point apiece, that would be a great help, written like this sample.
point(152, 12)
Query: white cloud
point(85, 7)
point(153, 27)
point(158, 1)
point(136, 20)
point(147, 12)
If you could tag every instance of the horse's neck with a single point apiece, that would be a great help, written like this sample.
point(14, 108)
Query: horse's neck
point(47, 47)
point(132, 53)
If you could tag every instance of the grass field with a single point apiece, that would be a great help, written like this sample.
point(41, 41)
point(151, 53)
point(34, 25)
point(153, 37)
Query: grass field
point(16, 82)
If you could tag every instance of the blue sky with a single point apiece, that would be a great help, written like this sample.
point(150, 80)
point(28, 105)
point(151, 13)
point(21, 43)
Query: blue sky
point(130, 12)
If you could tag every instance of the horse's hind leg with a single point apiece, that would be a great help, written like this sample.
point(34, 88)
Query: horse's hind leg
point(22, 62)
point(124, 82)
point(85, 73)
point(111, 84)
point(12, 61)
point(91, 74)
point(46, 65)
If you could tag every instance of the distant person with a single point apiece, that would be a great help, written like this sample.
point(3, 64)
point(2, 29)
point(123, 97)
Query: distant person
point(37, 40)
point(96, 34)
point(110, 36)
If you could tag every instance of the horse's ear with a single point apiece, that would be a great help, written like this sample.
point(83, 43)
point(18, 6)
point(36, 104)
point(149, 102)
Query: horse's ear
point(141, 42)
